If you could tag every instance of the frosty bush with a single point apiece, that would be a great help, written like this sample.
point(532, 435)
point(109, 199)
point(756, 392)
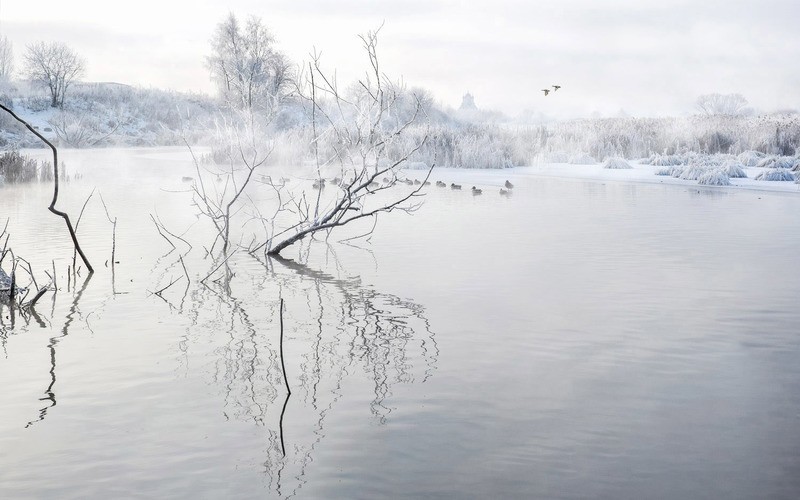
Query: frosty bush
point(693, 172)
point(716, 160)
point(750, 158)
point(734, 169)
point(776, 162)
point(775, 174)
point(664, 160)
point(582, 159)
point(672, 171)
point(616, 164)
point(557, 157)
point(714, 177)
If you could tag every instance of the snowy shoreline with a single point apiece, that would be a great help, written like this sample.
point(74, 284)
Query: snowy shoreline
point(640, 174)
point(647, 174)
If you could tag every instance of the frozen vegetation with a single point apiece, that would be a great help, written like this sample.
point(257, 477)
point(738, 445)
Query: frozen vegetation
point(582, 159)
point(775, 174)
point(617, 164)
point(714, 177)
point(734, 168)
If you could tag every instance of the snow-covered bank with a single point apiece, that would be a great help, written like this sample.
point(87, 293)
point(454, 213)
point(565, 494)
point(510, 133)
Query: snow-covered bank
point(492, 180)
point(646, 174)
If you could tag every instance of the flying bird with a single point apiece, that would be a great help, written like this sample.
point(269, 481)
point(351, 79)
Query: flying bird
point(556, 87)
point(546, 91)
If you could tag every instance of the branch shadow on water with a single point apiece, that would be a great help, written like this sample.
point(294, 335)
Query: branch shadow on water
point(49, 393)
point(334, 328)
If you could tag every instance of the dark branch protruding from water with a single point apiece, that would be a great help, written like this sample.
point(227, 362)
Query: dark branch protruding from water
point(52, 206)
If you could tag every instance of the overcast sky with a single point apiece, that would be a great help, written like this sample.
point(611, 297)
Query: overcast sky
point(646, 58)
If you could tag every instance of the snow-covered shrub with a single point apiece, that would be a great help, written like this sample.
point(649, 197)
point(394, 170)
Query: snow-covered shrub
point(693, 172)
point(616, 164)
point(714, 177)
point(665, 160)
point(776, 162)
point(734, 169)
point(775, 174)
point(750, 158)
point(582, 159)
point(672, 171)
point(796, 166)
point(557, 157)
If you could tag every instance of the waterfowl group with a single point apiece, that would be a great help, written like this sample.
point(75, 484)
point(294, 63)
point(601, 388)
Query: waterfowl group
point(506, 190)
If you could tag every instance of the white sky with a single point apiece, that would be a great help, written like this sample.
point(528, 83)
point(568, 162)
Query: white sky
point(644, 57)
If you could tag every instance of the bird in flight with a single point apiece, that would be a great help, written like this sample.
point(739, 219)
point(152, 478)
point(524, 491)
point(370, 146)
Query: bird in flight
point(556, 87)
point(546, 91)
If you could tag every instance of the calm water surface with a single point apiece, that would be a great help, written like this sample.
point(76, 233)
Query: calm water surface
point(577, 340)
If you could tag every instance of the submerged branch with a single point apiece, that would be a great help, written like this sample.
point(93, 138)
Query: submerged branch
point(52, 206)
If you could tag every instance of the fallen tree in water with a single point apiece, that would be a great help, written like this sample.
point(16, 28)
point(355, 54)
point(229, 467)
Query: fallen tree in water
point(52, 206)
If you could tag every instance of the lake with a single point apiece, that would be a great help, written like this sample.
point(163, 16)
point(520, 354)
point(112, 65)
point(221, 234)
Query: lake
point(579, 339)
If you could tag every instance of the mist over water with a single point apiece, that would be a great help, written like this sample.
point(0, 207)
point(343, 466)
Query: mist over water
point(577, 339)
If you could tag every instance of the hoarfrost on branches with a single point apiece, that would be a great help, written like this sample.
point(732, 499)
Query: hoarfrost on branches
point(734, 169)
point(715, 177)
point(775, 174)
point(776, 162)
point(693, 172)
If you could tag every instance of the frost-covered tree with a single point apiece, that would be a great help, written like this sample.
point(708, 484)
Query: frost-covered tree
point(55, 66)
point(248, 70)
point(6, 58)
point(721, 104)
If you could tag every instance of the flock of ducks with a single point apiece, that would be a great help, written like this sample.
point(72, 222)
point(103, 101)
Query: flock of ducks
point(504, 191)
point(321, 183)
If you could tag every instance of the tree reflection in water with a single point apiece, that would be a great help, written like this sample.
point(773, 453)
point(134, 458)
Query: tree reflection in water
point(335, 326)
point(9, 316)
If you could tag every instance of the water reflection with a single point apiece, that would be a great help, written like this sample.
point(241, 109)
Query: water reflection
point(336, 328)
point(49, 393)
